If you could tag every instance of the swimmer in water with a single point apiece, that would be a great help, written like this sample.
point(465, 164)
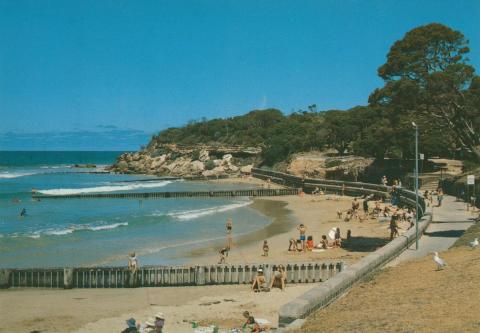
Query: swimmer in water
point(23, 212)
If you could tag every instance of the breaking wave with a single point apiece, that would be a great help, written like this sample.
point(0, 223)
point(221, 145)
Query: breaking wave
point(196, 213)
point(109, 188)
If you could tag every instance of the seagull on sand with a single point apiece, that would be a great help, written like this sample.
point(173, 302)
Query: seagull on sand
point(474, 243)
point(439, 261)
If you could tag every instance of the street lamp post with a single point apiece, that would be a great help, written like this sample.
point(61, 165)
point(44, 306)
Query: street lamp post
point(416, 185)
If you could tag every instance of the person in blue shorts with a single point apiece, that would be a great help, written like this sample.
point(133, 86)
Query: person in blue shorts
point(302, 229)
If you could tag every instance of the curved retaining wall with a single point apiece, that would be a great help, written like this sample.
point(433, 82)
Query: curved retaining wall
point(338, 187)
point(160, 276)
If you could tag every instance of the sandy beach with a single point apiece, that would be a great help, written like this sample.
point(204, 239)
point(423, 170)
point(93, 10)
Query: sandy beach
point(105, 310)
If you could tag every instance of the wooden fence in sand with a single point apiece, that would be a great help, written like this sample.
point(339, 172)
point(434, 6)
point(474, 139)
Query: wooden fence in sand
point(262, 192)
point(161, 276)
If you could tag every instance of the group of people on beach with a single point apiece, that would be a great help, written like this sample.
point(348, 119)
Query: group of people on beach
point(277, 280)
point(306, 243)
point(151, 325)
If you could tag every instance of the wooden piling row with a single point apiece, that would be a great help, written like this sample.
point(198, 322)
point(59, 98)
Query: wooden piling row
point(160, 276)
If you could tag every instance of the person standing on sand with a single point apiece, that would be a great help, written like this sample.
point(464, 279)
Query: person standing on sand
point(223, 254)
point(229, 228)
point(393, 226)
point(265, 248)
point(302, 229)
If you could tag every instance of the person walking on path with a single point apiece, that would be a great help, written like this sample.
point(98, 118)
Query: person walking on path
point(439, 196)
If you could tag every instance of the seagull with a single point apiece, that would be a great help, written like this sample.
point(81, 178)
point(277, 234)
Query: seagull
point(439, 261)
point(474, 243)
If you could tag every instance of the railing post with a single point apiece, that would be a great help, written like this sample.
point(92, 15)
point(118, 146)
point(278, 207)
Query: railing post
point(68, 278)
point(199, 276)
point(4, 278)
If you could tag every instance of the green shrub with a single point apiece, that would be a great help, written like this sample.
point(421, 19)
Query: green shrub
point(209, 165)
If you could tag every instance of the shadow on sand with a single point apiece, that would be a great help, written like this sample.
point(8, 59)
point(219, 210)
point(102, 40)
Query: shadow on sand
point(364, 244)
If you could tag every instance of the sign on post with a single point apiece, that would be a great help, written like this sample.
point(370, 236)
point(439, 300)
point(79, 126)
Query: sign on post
point(422, 157)
point(471, 180)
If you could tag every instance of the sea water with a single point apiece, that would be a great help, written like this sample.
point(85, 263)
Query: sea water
point(90, 232)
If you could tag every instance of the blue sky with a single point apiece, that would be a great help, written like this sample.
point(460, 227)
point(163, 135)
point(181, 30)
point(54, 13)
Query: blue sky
point(104, 68)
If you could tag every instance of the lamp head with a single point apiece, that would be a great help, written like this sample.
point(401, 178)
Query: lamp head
point(413, 124)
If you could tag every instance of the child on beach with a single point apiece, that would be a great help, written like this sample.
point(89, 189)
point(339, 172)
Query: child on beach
point(302, 229)
point(292, 245)
point(223, 252)
point(265, 248)
point(338, 238)
point(310, 244)
point(132, 262)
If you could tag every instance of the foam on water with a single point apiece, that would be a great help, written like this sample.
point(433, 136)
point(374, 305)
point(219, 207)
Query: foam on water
point(9, 175)
point(66, 231)
point(110, 188)
point(196, 213)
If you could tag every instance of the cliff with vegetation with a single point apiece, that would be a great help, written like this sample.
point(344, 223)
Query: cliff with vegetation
point(427, 81)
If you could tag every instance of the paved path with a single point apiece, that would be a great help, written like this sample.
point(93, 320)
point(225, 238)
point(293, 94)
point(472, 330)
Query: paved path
point(449, 223)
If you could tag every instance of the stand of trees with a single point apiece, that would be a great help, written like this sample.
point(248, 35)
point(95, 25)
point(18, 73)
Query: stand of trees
point(427, 80)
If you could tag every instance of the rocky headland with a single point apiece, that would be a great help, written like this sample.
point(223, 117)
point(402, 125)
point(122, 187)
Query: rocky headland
point(192, 160)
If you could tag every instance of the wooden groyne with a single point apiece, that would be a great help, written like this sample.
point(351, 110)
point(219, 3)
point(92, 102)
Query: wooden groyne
point(162, 276)
point(167, 195)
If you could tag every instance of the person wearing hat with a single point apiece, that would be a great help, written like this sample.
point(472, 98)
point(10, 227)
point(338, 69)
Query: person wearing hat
point(259, 283)
point(148, 327)
point(159, 322)
point(132, 327)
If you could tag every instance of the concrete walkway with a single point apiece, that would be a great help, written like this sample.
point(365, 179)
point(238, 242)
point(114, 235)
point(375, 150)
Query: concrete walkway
point(449, 223)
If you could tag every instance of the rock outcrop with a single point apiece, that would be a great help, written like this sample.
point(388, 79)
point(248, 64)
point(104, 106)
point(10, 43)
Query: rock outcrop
point(182, 161)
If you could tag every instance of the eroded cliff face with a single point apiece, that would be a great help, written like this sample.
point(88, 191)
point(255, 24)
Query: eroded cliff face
point(182, 161)
point(322, 165)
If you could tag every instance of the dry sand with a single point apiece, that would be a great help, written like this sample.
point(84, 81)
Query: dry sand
point(411, 297)
point(104, 310)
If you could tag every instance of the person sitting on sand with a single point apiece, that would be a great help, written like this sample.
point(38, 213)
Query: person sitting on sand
point(131, 326)
point(259, 283)
point(223, 253)
point(348, 215)
point(338, 238)
point(323, 243)
point(148, 327)
point(293, 245)
point(279, 278)
point(159, 322)
point(310, 244)
point(299, 245)
point(302, 229)
point(316, 191)
point(250, 323)
point(132, 263)
point(265, 248)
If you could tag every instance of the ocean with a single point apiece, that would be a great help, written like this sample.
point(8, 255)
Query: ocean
point(101, 232)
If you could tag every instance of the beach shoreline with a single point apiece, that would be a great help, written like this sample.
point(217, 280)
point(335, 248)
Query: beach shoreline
point(105, 310)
